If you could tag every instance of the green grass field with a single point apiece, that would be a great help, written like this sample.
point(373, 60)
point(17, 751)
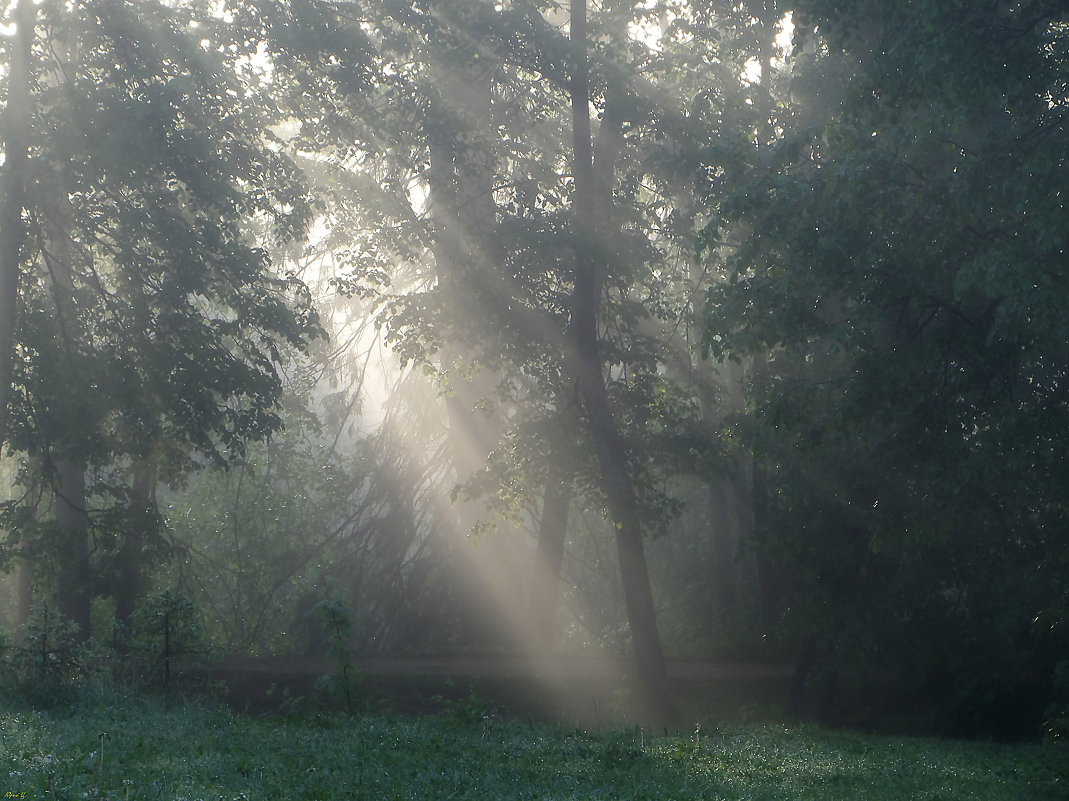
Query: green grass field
point(143, 749)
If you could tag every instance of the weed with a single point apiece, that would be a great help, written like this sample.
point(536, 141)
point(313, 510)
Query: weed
point(345, 682)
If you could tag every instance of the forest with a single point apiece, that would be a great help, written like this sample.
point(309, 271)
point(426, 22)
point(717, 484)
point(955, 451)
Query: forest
point(726, 330)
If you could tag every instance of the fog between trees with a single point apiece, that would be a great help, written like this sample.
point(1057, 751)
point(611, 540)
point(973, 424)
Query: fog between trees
point(705, 329)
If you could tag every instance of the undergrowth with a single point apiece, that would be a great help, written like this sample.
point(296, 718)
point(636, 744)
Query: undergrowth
point(149, 749)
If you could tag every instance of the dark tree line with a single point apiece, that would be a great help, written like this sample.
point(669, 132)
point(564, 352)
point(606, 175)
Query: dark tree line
point(902, 284)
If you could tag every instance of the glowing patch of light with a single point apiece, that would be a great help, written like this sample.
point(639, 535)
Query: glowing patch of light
point(220, 11)
point(257, 65)
point(752, 70)
point(783, 40)
point(419, 193)
point(646, 31)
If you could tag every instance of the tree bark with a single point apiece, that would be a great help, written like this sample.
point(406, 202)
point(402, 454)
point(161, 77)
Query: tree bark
point(57, 251)
point(73, 585)
point(545, 584)
point(616, 483)
point(12, 193)
point(25, 597)
point(725, 536)
point(132, 551)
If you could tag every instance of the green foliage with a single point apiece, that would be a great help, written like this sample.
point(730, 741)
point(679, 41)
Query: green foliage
point(490, 278)
point(169, 320)
point(143, 748)
point(899, 288)
point(261, 537)
point(49, 664)
point(896, 189)
point(466, 712)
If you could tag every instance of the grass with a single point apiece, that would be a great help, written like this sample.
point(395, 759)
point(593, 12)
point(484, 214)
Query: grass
point(144, 749)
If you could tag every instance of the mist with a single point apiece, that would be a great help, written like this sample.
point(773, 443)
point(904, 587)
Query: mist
point(634, 363)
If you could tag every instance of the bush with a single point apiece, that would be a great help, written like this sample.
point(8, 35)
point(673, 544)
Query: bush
point(165, 630)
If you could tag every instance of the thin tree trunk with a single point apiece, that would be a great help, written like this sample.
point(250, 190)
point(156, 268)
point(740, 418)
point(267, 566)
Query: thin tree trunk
point(587, 366)
point(812, 695)
point(25, 596)
point(25, 564)
point(545, 586)
point(131, 552)
point(57, 252)
point(773, 583)
point(12, 192)
point(73, 585)
point(724, 533)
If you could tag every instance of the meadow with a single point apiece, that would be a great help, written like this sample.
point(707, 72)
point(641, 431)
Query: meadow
point(139, 748)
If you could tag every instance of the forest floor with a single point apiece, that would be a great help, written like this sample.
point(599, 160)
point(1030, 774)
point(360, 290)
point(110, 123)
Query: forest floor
point(141, 747)
point(587, 691)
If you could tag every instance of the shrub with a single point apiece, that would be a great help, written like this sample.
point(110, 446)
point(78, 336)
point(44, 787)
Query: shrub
point(46, 668)
point(166, 629)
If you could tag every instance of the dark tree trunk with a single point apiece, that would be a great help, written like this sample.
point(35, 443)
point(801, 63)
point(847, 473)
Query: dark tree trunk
point(812, 695)
point(132, 551)
point(25, 596)
point(725, 536)
point(773, 585)
point(589, 212)
point(15, 147)
point(545, 587)
point(73, 585)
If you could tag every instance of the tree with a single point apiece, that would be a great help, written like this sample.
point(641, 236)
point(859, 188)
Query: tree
point(912, 411)
point(590, 220)
point(152, 328)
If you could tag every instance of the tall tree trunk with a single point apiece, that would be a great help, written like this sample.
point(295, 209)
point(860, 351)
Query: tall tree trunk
point(25, 596)
point(17, 125)
point(25, 564)
point(725, 537)
point(73, 585)
point(731, 509)
point(616, 483)
point(773, 584)
point(545, 583)
point(132, 551)
point(58, 255)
